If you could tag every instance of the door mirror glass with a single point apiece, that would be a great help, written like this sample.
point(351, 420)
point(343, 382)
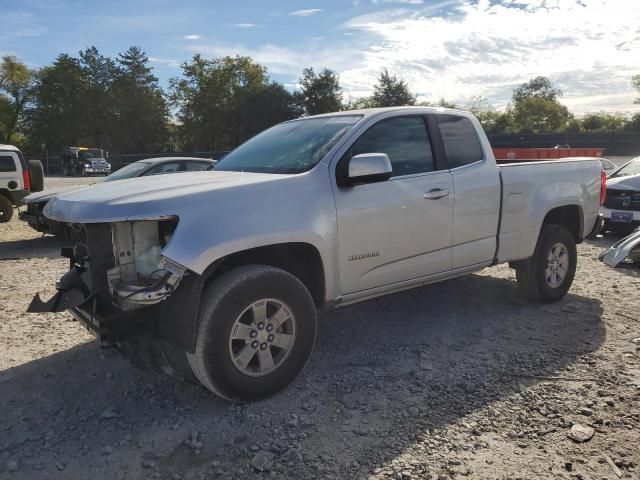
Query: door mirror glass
point(369, 167)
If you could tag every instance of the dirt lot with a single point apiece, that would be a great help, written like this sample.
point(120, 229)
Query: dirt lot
point(462, 379)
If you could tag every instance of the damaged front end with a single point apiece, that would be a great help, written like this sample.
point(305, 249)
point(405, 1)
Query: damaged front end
point(117, 277)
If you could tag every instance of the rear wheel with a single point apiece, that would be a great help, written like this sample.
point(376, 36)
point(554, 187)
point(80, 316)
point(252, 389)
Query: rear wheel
point(6, 209)
point(257, 331)
point(547, 276)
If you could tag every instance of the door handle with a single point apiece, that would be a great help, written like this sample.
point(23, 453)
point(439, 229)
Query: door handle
point(435, 194)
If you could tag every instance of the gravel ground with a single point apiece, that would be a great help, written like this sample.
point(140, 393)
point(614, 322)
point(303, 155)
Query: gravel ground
point(462, 379)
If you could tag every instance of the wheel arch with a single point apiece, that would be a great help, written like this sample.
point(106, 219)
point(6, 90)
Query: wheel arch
point(178, 317)
point(569, 216)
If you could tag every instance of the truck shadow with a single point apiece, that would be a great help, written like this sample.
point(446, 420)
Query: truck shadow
point(384, 375)
point(45, 246)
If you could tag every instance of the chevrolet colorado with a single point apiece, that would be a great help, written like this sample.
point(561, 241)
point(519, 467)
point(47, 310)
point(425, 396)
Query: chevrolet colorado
point(315, 213)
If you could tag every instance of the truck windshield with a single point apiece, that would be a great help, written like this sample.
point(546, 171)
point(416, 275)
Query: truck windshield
point(130, 171)
point(87, 154)
point(291, 147)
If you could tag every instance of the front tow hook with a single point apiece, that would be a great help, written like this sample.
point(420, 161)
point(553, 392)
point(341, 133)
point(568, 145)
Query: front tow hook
point(71, 293)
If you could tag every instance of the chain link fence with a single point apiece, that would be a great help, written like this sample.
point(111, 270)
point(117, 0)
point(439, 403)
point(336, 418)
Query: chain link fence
point(614, 143)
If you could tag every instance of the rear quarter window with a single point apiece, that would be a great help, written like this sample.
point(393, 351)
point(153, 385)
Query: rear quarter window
point(7, 163)
point(461, 143)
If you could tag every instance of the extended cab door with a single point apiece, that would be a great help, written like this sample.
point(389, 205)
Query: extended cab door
point(399, 229)
point(476, 182)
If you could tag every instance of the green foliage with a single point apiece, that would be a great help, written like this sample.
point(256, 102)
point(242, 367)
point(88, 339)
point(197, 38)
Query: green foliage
point(540, 87)
point(16, 91)
point(536, 107)
point(538, 114)
point(217, 102)
point(94, 100)
point(391, 92)
point(319, 93)
point(139, 105)
point(602, 122)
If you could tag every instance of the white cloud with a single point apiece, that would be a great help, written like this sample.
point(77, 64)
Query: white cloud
point(192, 37)
point(165, 61)
point(245, 25)
point(408, 2)
point(587, 47)
point(306, 13)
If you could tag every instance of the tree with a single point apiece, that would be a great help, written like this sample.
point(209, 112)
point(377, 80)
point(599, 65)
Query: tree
point(391, 92)
point(215, 98)
point(138, 105)
point(58, 116)
point(537, 87)
point(536, 107)
point(537, 114)
point(319, 93)
point(98, 108)
point(16, 90)
point(602, 121)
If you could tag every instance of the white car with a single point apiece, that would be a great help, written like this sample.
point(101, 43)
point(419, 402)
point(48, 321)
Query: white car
point(621, 207)
point(18, 178)
point(315, 213)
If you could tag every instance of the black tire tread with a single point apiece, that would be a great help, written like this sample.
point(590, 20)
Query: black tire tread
point(36, 174)
point(214, 294)
point(7, 207)
point(528, 271)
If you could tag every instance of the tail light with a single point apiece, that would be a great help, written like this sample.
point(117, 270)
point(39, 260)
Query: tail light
point(26, 179)
point(603, 187)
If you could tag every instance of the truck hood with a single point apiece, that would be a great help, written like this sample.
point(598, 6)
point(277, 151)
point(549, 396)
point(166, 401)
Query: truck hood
point(624, 183)
point(150, 197)
point(47, 195)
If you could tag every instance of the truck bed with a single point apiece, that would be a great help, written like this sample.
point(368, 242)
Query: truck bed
point(529, 188)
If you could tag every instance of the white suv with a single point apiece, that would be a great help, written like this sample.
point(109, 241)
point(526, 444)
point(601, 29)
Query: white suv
point(18, 178)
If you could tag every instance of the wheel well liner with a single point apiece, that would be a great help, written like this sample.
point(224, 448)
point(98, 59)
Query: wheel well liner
point(177, 318)
point(569, 216)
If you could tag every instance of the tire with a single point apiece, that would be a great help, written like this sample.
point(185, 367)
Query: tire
point(227, 303)
point(36, 173)
point(6, 209)
point(535, 281)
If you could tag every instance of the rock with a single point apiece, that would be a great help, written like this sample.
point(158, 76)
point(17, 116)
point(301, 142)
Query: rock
point(148, 464)
point(60, 466)
point(586, 411)
point(109, 413)
point(414, 411)
point(107, 450)
point(12, 465)
point(581, 433)
point(570, 308)
point(263, 461)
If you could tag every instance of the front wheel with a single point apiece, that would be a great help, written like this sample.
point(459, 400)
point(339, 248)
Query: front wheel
point(257, 331)
point(547, 276)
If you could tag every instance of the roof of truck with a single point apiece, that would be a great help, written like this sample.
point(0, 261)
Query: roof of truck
point(9, 147)
point(367, 112)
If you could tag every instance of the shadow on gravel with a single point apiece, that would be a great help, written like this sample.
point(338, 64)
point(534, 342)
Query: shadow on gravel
point(384, 374)
point(46, 246)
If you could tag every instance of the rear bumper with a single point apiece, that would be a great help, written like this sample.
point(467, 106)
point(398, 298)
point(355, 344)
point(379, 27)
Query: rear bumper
point(17, 196)
point(606, 212)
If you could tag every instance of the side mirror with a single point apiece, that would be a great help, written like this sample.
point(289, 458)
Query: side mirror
point(369, 168)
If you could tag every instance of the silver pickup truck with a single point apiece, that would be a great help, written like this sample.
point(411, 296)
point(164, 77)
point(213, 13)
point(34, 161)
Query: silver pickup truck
point(315, 213)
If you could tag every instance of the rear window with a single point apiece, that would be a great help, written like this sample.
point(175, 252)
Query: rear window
point(7, 163)
point(460, 140)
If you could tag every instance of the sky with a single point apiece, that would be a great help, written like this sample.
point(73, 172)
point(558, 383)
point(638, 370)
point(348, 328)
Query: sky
point(448, 49)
